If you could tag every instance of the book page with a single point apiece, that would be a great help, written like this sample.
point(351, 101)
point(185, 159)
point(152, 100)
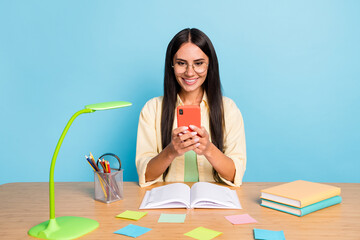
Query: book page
point(208, 195)
point(176, 195)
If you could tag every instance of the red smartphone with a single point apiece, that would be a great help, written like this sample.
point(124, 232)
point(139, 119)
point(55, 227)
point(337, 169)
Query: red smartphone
point(188, 115)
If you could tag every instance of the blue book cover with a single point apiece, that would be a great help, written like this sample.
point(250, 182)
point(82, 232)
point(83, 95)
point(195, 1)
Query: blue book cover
point(301, 211)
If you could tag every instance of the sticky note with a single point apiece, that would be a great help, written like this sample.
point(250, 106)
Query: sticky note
point(172, 218)
point(240, 219)
point(202, 233)
point(268, 234)
point(133, 215)
point(132, 230)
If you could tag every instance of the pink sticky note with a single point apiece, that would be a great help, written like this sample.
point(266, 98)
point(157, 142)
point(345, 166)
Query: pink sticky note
point(240, 219)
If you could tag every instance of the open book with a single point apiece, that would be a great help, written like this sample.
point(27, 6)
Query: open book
point(200, 195)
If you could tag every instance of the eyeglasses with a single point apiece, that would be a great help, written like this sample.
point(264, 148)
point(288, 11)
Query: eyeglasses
point(181, 67)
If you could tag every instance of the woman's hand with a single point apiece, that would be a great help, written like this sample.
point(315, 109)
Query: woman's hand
point(183, 140)
point(204, 145)
point(221, 163)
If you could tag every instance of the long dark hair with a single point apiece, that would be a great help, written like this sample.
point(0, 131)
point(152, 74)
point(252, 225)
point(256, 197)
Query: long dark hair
point(211, 86)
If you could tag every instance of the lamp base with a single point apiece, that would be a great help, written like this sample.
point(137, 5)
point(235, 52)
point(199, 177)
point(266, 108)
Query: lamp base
point(66, 227)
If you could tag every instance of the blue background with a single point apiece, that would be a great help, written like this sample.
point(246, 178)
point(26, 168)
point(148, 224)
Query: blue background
point(292, 67)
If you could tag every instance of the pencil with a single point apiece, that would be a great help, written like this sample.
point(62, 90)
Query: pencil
point(100, 178)
point(92, 164)
point(108, 166)
point(93, 161)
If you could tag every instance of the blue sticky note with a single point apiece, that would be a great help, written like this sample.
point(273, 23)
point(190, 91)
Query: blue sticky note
point(262, 234)
point(132, 230)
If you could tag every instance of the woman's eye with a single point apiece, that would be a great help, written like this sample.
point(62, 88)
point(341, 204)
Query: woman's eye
point(198, 64)
point(180, 63)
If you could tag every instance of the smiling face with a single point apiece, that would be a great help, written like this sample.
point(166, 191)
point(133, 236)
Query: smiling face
point(190, 57)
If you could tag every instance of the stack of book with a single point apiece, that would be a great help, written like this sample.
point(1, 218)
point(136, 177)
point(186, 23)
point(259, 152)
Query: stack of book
point(300, 197)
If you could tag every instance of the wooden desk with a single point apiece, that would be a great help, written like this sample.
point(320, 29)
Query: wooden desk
point(24, 205)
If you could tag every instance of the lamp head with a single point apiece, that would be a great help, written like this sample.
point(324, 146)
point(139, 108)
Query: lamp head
point(107, 105)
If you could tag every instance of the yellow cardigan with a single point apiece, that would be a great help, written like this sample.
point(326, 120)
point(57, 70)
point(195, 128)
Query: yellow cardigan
point(149, 142)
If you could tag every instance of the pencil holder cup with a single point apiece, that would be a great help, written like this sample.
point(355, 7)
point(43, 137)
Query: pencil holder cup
point(108, 186)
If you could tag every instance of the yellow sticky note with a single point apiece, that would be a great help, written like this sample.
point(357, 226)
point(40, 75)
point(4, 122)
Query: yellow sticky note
point(202, 233)
point(133, 215)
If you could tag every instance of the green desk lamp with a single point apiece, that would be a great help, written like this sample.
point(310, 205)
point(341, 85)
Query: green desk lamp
point(68, 227)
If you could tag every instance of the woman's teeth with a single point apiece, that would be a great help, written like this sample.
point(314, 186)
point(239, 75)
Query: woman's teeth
point(190, 81)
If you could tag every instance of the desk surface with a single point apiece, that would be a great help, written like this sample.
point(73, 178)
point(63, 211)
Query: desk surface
point(24, 205)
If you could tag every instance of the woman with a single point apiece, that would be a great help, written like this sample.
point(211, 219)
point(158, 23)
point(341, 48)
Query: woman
point(163, 149)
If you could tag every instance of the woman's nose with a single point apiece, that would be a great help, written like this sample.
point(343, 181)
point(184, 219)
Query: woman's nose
point(190, 70)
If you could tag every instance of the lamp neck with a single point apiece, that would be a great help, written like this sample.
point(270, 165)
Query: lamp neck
point(53, 161)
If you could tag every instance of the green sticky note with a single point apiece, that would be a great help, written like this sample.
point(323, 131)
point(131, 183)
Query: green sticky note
point(133, 215)
point(202, 233)
point(172, 218)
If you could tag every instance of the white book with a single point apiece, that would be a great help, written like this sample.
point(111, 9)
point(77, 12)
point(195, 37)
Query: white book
point(200, 195)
